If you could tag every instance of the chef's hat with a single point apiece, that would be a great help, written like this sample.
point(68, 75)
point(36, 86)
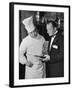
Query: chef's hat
point(28, 22)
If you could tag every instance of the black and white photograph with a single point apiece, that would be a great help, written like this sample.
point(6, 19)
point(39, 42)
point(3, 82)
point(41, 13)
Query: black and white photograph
point(39, 44)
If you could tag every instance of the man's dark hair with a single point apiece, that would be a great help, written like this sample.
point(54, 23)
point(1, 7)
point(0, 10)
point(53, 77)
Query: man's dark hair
point(52, 22)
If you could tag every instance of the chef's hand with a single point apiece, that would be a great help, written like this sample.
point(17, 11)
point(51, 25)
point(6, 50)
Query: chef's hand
point(29, 64)
point(47, 58)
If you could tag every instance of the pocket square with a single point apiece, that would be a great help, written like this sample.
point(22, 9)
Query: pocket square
point(55, 46)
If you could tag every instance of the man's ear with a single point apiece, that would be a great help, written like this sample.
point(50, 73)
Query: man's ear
point(55, 29)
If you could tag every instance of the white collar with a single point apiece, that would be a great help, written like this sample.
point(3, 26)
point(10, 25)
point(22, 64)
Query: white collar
point(56, 32)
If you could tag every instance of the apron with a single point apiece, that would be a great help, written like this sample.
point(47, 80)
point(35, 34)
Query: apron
point(38, 68)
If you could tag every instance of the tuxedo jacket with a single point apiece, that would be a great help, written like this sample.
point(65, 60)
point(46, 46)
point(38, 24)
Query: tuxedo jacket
point(55, 67)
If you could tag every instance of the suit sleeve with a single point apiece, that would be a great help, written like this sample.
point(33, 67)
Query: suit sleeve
point(57, 55)
point(23, 49)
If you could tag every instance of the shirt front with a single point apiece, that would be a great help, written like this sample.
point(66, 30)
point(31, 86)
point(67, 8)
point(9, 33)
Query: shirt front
point(52, 39)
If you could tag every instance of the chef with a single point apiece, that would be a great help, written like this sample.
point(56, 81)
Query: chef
point(32, 45)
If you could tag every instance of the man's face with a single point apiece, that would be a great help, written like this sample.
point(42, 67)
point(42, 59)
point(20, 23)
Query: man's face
point(33, 34)
point(50, 29)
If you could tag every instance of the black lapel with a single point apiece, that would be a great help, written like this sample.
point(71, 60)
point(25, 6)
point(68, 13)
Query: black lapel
point(49, 45)
point(54, 41)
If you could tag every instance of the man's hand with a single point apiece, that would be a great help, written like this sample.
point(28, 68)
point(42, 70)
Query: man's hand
point(47, 58)
point(29, 64)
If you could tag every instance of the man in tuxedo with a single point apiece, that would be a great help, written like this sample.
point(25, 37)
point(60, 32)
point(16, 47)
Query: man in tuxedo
point(55, 57)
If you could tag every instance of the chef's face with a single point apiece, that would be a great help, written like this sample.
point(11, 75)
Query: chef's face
point(34, 34)
point(50, 29)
